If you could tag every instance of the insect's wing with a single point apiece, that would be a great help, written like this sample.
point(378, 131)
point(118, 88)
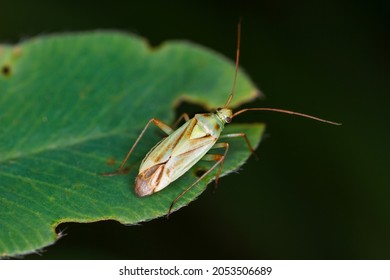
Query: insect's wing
point(152, 173)
point(162, 151)
point(148, 180)
point(180, 163)
point(172, 157)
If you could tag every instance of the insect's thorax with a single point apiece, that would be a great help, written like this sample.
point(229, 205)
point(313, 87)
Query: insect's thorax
point(208, 124)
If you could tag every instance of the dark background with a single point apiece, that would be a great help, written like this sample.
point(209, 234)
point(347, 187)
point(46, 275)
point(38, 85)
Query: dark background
point(317, 191)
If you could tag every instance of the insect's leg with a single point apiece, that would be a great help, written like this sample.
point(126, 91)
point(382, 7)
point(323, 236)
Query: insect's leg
point(182, 116)
point(164, 127)
point(216, 157)
point(242, 134)
point(219, 160)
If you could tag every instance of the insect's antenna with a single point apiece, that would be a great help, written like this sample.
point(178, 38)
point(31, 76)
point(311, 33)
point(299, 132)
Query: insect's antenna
point(237, 62)
point(285, 112)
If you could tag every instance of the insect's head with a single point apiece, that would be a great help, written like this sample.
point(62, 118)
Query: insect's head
point(225, 115)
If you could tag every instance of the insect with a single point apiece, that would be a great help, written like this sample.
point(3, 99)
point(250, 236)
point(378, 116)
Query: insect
point(174, 155)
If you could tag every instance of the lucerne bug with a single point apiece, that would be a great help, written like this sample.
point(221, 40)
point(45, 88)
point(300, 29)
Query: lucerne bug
point(184, 147)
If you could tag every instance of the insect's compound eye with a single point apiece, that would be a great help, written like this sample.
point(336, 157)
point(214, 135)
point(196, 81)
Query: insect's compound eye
point(228, 119)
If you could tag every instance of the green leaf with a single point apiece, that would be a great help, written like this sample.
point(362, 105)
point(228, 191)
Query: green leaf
point(70, 108)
